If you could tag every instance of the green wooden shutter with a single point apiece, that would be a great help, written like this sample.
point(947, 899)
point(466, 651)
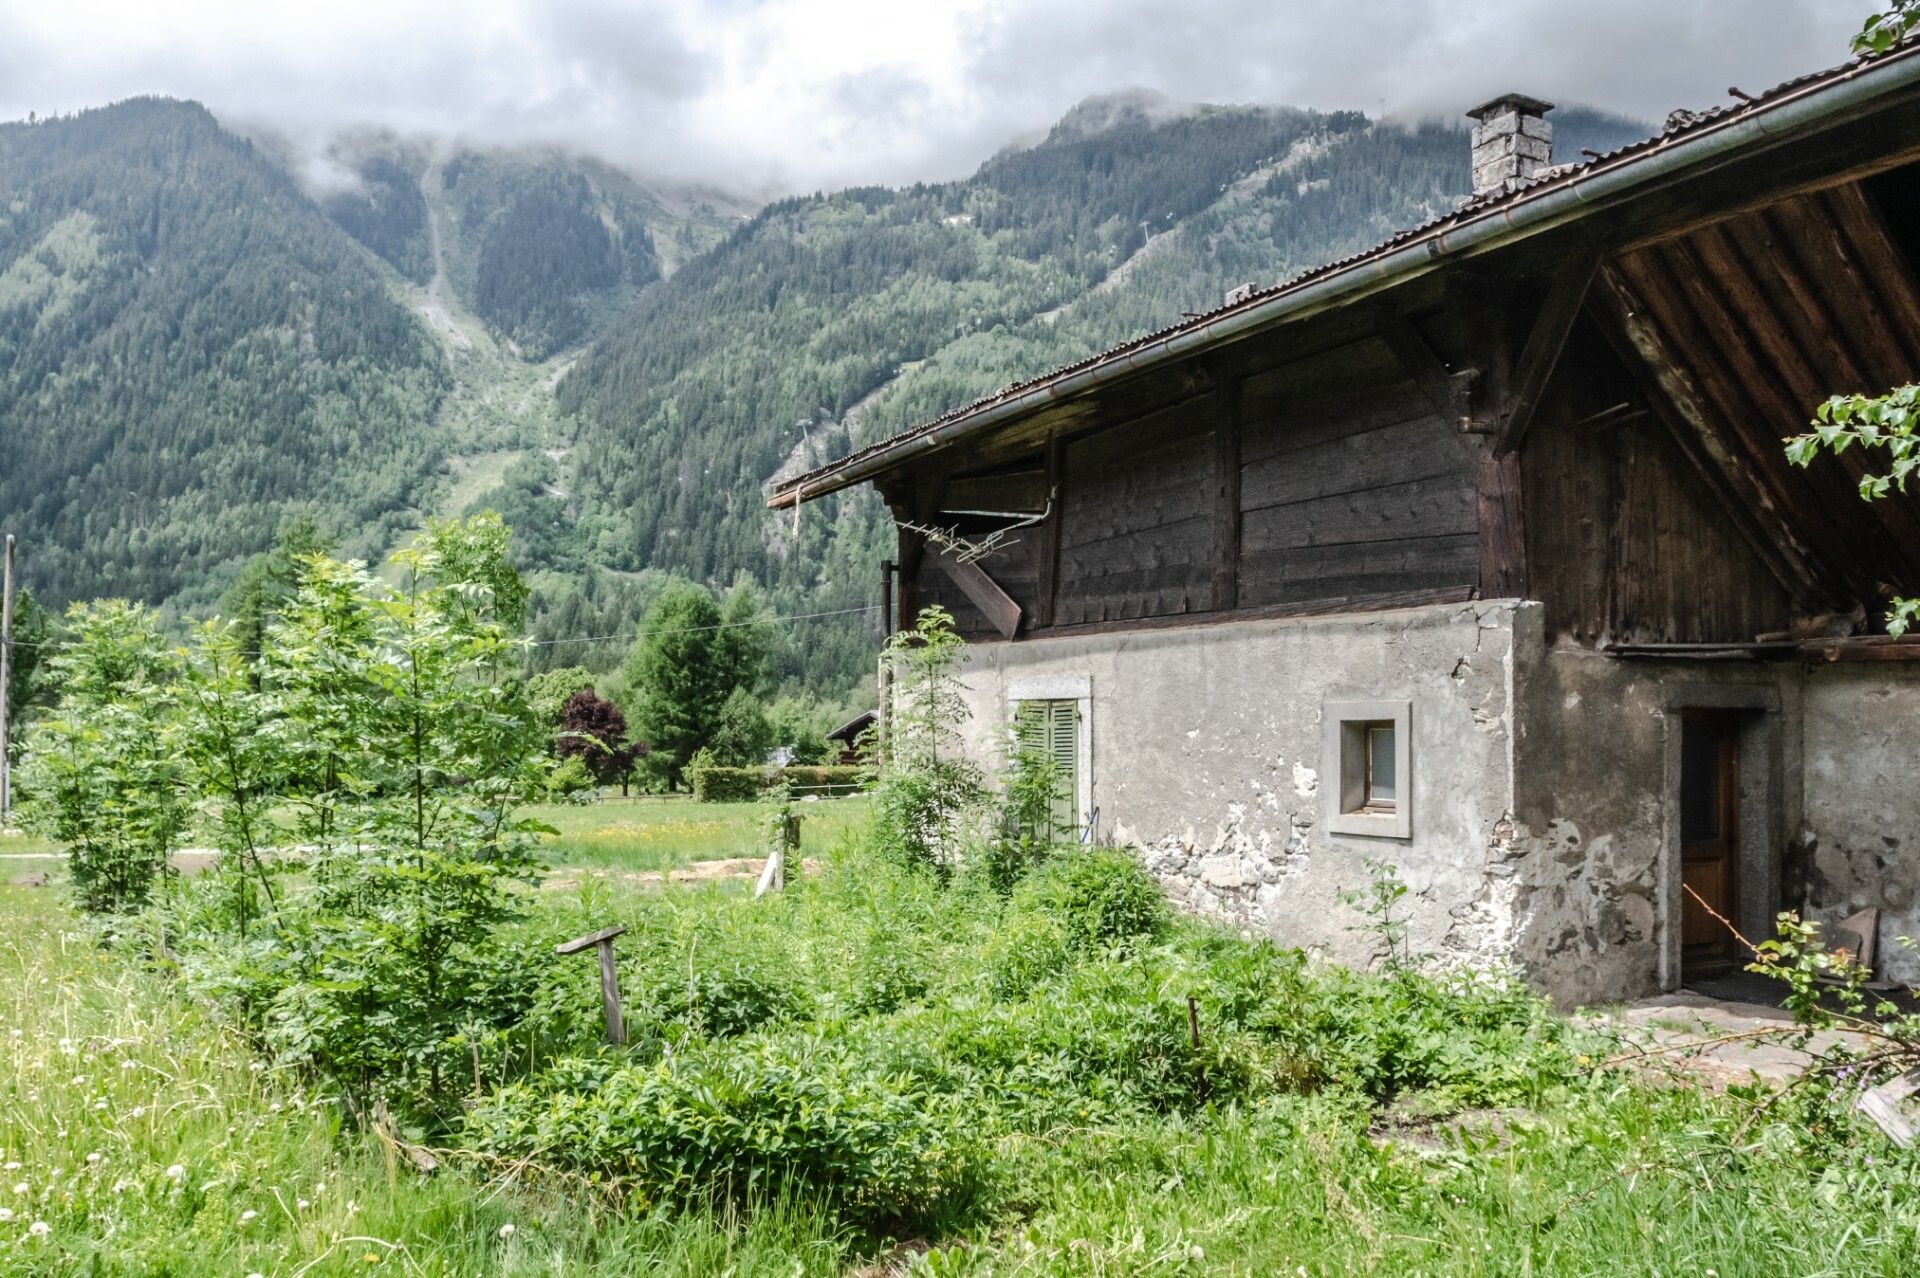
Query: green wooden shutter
point(1052, 728)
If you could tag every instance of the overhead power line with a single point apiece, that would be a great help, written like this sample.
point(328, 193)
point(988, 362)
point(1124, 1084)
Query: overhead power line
point(628, 637)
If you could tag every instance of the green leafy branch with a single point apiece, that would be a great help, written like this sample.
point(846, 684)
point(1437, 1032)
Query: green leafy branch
point(1874, 422)
point(1884, 31)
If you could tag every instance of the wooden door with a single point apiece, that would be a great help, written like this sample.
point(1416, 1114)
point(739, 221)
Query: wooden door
point(1709, 840)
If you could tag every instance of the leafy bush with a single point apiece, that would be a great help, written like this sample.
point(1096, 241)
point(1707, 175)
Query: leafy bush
point(1028, 950)
point(793, 1112)
point(835, 779)
point(570, 780)
point(929, 788)
point(104, 776)
point(715, 784)
point(722, 1001)
point(1099, 897)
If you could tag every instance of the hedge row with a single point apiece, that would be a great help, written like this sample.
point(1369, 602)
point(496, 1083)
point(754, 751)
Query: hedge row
point(735, 785)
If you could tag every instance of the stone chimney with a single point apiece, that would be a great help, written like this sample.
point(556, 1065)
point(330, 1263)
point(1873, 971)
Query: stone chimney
point(1512, 141)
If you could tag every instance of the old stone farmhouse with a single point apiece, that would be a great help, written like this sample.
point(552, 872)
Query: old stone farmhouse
point(1478, 554)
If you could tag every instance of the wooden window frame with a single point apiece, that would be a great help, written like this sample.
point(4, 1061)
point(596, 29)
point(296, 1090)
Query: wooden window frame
point(1347, 731)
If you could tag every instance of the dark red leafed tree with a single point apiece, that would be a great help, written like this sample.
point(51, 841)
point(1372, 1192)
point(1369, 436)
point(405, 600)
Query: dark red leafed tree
point(594, 729)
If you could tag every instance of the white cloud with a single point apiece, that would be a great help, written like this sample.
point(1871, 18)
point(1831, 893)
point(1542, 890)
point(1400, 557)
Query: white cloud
point(798, 94)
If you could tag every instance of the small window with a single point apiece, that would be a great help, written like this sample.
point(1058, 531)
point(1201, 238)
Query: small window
point(1366, 768)
point(1379, 788)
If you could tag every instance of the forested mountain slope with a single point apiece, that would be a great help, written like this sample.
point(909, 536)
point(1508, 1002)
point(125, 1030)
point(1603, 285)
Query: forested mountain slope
point(541, 245)
point(189, 350)
point(196, 343)
point(835, 319)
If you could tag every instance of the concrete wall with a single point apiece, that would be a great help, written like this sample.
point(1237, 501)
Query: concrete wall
point(1861, 823)
point(1206, 752)
point(1544, 784)
point(1596, 825)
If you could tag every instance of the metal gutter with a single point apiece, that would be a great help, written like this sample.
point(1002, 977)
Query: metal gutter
point(1555, 202)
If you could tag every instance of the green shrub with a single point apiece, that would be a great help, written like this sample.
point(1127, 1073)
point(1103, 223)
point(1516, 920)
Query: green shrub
point(717, 1002)
point(1100, 897)
point(1027, 951)
point(715, 784)
point(837, 779)
point(570, 780)
point(753, 1116)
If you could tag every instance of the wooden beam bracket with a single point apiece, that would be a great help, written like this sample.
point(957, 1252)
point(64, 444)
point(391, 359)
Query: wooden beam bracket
point(1450, 390)
point(1566, 297)
point(1000, 608)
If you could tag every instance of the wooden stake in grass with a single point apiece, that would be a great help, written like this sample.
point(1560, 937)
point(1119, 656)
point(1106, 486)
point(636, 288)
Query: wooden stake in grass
point(602, 941)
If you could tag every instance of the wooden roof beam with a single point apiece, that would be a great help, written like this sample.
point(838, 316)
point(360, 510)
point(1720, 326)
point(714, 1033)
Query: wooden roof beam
point(1446, 389)
point(1519, 399)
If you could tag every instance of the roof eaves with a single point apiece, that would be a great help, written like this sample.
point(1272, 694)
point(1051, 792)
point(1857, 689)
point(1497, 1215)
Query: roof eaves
point(1492, 207)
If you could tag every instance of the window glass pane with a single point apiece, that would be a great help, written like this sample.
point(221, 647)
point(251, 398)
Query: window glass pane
point(1380, 779)
point(1699, 782)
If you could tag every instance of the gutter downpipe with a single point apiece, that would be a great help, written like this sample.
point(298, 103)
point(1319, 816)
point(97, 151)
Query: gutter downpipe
point(1551, 207)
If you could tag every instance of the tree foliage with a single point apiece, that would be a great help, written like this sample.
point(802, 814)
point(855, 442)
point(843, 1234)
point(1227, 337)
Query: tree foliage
point(378, 742)
point(103, 776)
point(593, 730)
point(690, 661)
point(929, 789)
point(1878, 424)
point(1888, 28)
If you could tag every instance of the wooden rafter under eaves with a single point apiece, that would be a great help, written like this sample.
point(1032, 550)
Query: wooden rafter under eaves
point(1741, 329)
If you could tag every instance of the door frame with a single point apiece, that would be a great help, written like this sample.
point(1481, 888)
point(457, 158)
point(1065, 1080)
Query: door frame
point(1724, 728)
point(1757, 885)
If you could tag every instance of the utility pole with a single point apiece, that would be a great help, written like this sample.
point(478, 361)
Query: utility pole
point(6, 682)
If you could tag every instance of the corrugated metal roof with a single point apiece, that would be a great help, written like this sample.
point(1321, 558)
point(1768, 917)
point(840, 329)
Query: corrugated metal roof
point(1679, 125)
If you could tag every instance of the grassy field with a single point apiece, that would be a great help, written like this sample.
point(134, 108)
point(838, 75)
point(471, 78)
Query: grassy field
point(667, 833)
point(20, 843)
point(1333, 1125)
point(142, 1137)
point(638, 834)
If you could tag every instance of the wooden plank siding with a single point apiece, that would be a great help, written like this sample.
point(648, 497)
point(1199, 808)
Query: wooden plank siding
point(1602, 432)
point(1629, 547)
point(1136, 535)
point(1351, 483)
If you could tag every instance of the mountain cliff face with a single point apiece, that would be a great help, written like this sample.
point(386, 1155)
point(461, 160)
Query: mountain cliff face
point(194, 343)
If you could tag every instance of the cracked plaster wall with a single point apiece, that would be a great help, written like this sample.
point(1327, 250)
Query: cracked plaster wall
point(1543, 828)
point(1596, 831)
point(1861, 829)
point(1207, 756)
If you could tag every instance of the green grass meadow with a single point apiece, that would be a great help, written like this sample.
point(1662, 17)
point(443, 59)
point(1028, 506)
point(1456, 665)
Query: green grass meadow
point(1330, 1123)
point(655, 833)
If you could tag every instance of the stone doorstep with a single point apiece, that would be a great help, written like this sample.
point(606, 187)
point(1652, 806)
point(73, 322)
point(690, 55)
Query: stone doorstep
point(1684, 1027)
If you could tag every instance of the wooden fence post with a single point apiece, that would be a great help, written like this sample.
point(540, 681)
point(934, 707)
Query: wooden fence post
point(602, 941)
point(786, 843)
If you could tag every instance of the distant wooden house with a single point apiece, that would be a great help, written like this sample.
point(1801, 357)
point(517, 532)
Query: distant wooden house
point(852, 737)
point(1478, 553)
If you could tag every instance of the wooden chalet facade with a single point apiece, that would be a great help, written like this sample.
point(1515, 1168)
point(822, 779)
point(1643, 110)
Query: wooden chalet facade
point(1480, 552)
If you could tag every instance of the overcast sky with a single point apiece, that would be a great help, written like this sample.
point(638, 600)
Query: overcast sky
point(797, 94)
